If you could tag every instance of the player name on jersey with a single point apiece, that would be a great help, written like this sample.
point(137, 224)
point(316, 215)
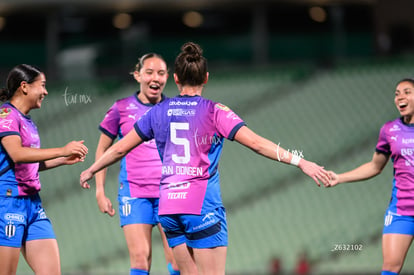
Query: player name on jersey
point(182, 170)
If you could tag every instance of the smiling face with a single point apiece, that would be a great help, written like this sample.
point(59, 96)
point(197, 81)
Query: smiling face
point(404, 100)
point(152, 78)
point(35, 92)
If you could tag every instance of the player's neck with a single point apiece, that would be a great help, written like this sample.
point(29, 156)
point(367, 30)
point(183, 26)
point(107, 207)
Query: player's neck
point(20, 105)
point(408, 119)
point(191, 90)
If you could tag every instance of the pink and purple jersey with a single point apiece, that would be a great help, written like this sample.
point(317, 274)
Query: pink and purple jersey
point(397, 140)
point(189, 132)
point(140, 171)
point(18, 179)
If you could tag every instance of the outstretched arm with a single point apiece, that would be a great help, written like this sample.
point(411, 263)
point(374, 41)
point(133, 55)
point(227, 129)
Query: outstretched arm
point(52, 163)
point(112, 155)
point(269, 149)
point(71, 153)
point(104, 203)
point(363, 172)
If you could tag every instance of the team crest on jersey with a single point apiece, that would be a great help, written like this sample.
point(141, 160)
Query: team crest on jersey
point(126, 209)
point(132, 106)
point(222, 107)
point(395, 128)
point(10, 230)
point(4, 112)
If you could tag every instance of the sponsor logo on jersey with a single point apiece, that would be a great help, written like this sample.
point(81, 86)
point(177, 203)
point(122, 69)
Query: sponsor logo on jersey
point(177, 196)
point(6, 123)
point(232, 115)
point(179, 185)
point(181, 112)
point(207, 221)
point(409, 162)
point(4, 112)
point(208, 216)
point(42, 214)
point(407, 140)
point(14, 217)
point(132, 116)
point(407, 151)
point(183, 103)
point(222, 107)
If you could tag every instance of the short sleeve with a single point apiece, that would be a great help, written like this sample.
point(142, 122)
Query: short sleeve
point(110, 124)
point(143, 126)
point(9, 123)
point(227, 122)
point(383, 145)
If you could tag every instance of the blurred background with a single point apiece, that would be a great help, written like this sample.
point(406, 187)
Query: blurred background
point(316, 76)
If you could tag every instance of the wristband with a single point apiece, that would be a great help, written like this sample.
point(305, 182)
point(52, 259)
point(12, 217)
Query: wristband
point(295, 160)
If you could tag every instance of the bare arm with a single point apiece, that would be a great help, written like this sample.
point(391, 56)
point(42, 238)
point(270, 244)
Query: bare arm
point(269, 149)
point(363, 172)
point(104, 203)
point(49, 164)
point(111, 155)
point(48, 158)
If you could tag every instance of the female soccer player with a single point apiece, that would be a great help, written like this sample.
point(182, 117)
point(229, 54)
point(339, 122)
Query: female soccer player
point(395, 141)
point(139, 178)
point(24, 225)
point(189, 131)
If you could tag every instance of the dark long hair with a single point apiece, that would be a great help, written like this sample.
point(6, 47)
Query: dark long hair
point(22, 72)
point(190, 65)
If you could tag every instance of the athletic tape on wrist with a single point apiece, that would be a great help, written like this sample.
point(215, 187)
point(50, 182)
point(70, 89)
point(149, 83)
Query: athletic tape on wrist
point(295, 160)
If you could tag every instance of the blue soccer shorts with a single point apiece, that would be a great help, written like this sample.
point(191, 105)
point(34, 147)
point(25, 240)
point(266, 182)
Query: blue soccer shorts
point(398, 224)
point(138, 210)
point(23, 219)
point(197, 231)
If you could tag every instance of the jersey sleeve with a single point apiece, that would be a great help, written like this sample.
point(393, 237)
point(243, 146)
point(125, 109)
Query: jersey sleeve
point(110, 124)
point(9, 123)
point(227, 121)
point(143, 126)
point(383, 145)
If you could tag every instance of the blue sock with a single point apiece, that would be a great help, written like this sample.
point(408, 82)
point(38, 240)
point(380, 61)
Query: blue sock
point(134, 271)
point(384, 272)
point(172, 271)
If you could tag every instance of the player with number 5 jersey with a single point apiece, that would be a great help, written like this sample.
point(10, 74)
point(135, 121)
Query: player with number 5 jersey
point(189, 131)
point(190, 149)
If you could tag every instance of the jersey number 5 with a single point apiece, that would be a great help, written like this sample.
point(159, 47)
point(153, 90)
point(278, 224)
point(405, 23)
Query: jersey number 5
point(174, 127)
